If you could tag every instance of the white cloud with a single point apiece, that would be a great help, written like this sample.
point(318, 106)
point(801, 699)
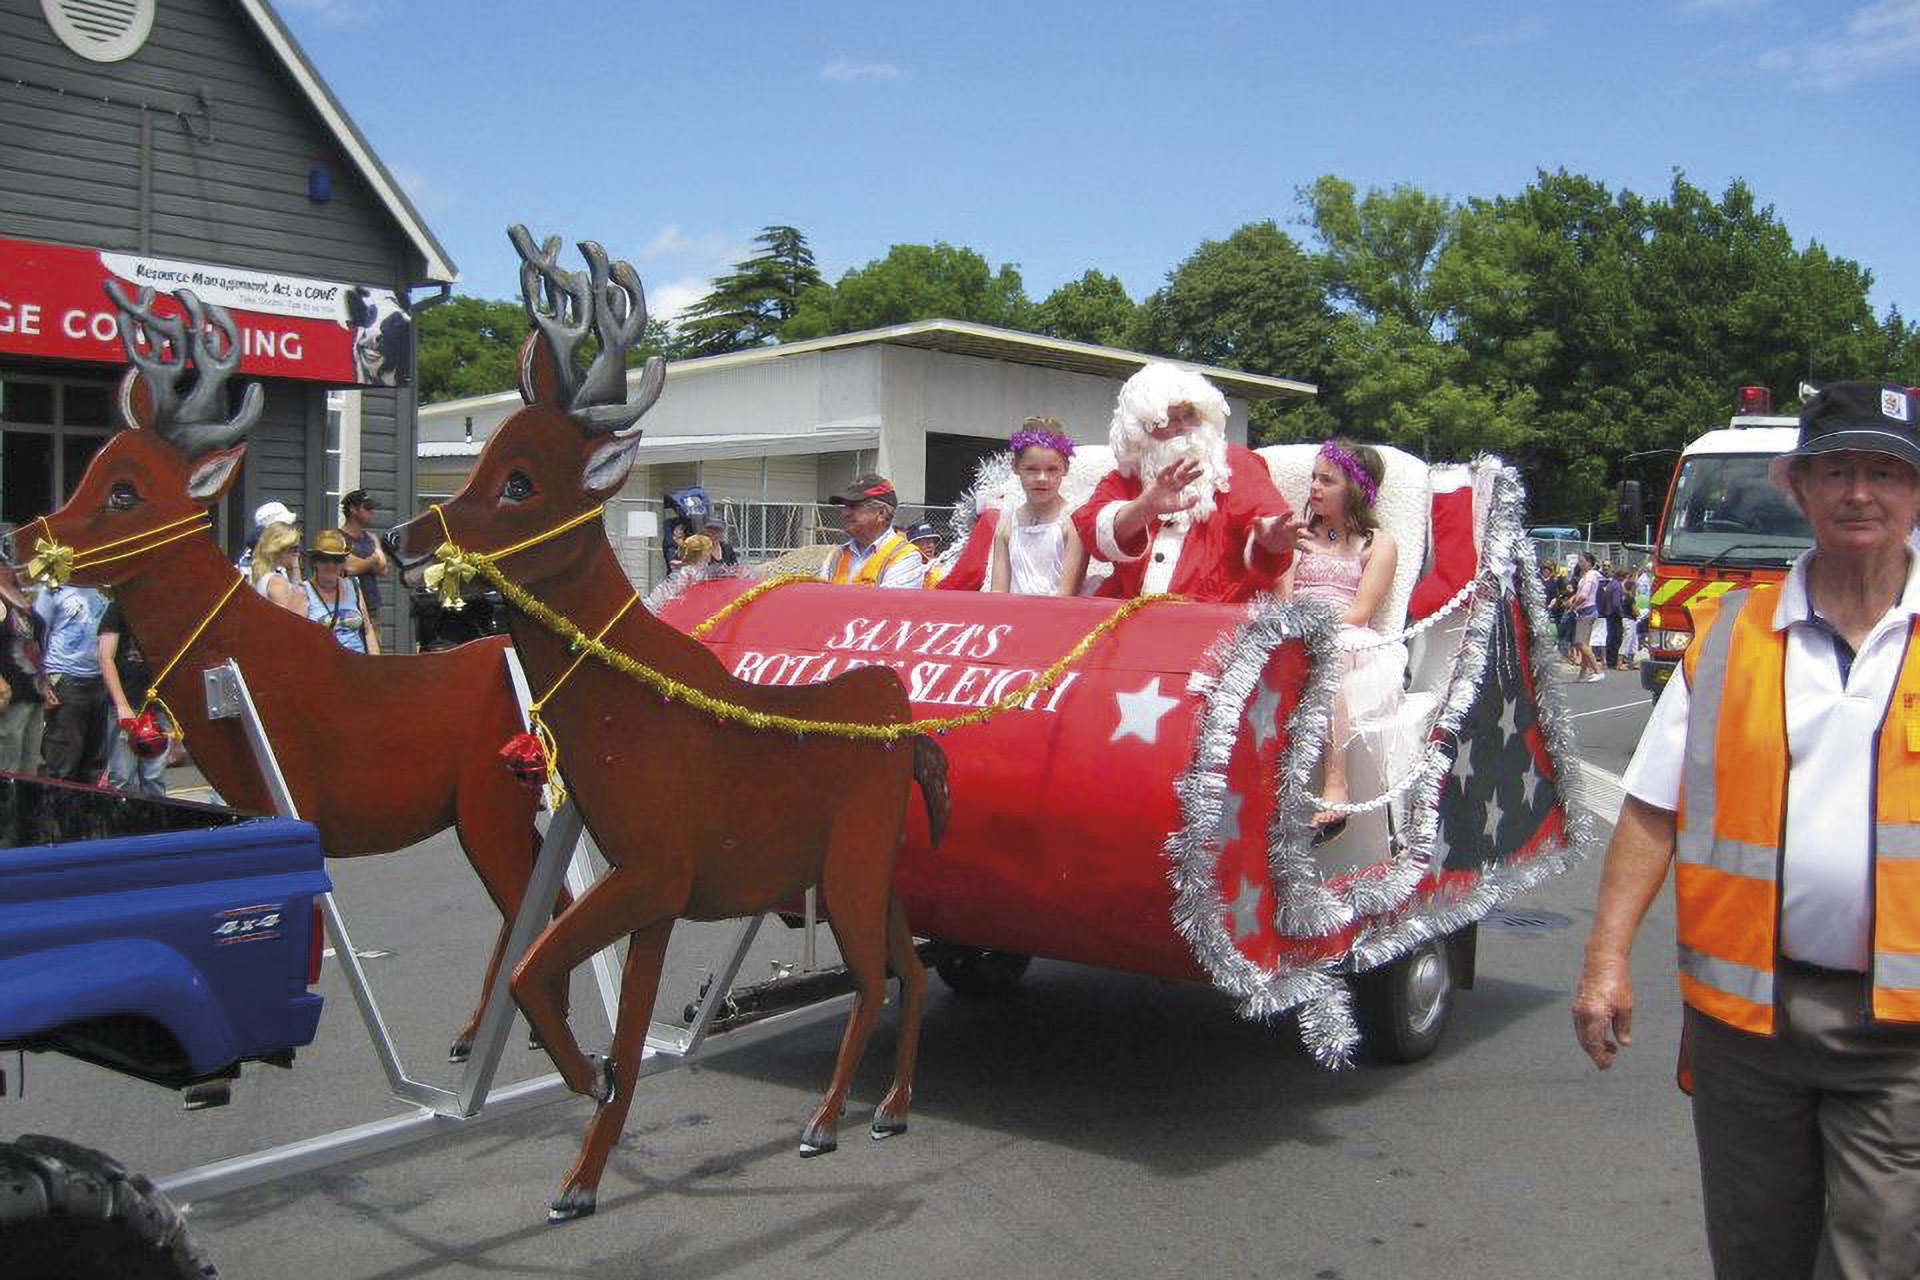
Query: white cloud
point(1877, 39)
point(427, 195)
point(667, 301)
point(671, 242)
point(847, 71)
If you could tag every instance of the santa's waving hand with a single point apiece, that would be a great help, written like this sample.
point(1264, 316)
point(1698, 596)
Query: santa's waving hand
point(1184, 510)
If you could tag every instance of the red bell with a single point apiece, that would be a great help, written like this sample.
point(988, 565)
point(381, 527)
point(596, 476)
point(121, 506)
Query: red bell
point(527, 758)
point(146, 735)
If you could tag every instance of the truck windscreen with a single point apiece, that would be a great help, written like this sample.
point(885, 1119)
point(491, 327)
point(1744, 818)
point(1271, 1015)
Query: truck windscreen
point(1725, 509)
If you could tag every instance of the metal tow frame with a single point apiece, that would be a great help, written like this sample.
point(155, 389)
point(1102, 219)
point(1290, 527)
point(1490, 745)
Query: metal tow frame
point(474, 1101)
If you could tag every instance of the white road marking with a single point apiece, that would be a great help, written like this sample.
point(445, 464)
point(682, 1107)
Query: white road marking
point(1600, 711)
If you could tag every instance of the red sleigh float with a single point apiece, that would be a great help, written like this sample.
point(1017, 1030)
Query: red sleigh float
point(1149, 812)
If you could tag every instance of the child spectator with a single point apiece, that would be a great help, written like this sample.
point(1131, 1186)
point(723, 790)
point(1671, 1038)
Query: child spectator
point(1038, 551)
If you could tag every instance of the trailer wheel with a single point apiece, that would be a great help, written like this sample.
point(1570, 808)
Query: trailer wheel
point(975, 971)
point(1403, 1007)
point(68, 1212)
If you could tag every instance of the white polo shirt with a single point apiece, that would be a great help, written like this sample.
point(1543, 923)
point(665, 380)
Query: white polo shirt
point(1827, 877)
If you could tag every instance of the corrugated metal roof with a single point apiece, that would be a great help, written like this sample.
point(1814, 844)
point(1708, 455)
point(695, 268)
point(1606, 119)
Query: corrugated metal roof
point(655, 450)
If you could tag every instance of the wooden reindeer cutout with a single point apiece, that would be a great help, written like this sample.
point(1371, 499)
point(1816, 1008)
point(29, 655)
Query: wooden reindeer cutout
point(379, 752)
point(699, 818)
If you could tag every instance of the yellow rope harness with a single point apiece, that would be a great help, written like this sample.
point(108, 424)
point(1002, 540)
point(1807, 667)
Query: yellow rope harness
point(153, 697)
point(455, 561)
point(52, 562)
point(55, 563)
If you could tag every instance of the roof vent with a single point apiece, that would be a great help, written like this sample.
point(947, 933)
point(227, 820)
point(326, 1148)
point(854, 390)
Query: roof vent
point(100, 30)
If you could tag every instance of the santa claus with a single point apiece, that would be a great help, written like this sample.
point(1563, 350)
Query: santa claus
point(1184, 510)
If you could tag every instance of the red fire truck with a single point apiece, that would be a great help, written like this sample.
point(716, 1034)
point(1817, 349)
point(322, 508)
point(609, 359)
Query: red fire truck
point(1725, 525)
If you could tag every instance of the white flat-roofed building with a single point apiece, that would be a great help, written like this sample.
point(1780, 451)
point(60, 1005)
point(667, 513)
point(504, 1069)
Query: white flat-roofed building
point(919, 403)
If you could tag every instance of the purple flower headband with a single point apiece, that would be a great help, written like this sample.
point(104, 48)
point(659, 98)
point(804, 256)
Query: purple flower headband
point(1023, 440)
point(1355, 470)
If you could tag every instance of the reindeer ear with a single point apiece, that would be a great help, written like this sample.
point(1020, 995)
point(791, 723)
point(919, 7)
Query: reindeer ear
point(213, 473)
point(539, 379)
point(135, 400)
point(608, 464)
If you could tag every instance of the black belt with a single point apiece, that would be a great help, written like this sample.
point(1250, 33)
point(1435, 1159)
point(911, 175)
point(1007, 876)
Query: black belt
point(1802, 968)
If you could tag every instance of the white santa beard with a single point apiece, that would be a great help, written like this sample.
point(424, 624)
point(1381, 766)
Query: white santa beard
point(1148, 457)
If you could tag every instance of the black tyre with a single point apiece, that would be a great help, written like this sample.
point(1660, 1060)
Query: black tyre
point(71, 1213)
point(974, 971)
point(1403, 1007)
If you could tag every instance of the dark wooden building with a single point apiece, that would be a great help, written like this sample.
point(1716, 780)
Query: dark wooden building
point(172, 142)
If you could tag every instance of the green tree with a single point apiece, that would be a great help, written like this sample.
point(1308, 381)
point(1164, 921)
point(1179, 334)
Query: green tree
point(1253, 302)
point(471, 347)
point(1095, 308)
point(1633, 320)
point(468, 347)
point(1378, 252)
point(747, 307)
point(1394, 375)
point(914, 282)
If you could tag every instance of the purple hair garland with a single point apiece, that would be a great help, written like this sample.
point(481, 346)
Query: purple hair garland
point(1023, 440)
point(1356, 471)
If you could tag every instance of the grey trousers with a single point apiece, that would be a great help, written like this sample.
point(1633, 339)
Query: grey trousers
point(1810, 1139)
point(20, 726)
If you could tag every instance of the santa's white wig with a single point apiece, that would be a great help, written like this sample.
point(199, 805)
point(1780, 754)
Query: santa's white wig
point(1146, 401)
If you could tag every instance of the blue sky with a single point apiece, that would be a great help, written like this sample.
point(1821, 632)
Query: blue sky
point(1062, 136)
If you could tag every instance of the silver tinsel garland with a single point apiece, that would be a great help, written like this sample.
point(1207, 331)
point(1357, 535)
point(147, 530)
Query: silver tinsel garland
point(1391, 919)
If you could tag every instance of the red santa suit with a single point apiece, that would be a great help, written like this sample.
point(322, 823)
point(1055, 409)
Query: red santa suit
point(1216, 559)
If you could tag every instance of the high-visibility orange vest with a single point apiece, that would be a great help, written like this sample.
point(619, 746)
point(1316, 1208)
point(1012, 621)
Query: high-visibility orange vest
point(934, 574)
point(1731, 826)
point(891, 549)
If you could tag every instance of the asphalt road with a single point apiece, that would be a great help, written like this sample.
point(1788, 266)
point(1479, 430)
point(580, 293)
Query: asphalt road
point(1088, 1124)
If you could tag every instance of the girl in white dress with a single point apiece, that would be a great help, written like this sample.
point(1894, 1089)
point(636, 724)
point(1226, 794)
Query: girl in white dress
point(1036, 551)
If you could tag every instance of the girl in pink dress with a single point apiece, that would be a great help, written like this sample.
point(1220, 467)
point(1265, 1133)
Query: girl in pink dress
point(1345, 558)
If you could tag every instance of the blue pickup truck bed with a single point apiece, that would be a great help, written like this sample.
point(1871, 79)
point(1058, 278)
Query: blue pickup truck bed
point(171, 956)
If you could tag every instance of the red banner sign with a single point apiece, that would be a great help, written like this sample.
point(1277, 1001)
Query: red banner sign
point(53, 302)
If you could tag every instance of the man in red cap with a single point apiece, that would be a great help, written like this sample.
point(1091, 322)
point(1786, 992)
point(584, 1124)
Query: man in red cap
point(875, 554)
point(1184, 510)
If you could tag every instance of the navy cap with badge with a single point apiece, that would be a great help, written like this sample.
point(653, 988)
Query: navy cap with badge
point(1874, 417)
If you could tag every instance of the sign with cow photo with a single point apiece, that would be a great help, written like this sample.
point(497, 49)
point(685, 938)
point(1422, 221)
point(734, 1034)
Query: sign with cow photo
point(52, 303)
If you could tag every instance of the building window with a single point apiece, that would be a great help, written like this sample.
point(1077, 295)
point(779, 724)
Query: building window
point(50, 428)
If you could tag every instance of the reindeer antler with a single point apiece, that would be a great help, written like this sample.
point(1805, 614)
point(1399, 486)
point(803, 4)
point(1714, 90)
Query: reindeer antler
point(195, 424)
point(565, 306)
point(163, 362)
